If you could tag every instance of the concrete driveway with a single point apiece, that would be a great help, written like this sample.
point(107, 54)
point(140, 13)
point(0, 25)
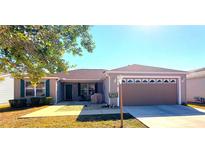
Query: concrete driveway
point(168, 116)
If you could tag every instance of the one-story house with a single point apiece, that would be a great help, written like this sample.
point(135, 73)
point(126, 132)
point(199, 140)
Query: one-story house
point(6, 88)
point(195, 84)
point(141, 85)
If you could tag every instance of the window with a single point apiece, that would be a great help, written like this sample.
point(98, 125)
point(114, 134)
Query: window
point(166, 81)
point(91, 89)
point(123, 81)
point(172, 80)
point(145, 80)
point(41, 89)
point(130, 81)
point(30, 91)
point(138, 80)
point(152, 81)
point(159, 80)
point(87, 89)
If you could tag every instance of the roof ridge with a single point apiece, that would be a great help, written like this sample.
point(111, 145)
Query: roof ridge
point(147, 66)
point(197, 70)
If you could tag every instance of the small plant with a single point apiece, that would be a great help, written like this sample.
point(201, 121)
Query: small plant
point(18, 103)
point(47, 100)
point(36, 101)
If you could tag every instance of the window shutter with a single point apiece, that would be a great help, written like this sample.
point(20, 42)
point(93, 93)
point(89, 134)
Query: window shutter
point(47, 88)
point(22, 88)
point(96, 87)
point(78, 89)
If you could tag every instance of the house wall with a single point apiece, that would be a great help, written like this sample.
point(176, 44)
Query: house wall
point(17, 90)
point(53, 89)
point(6, 89)
point(106, 89)
point(195, 88)
point(60, 91)
point(113, 87)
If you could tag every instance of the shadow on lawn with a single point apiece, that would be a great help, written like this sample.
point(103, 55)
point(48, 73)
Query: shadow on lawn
point(7, 108)
point(103, 117)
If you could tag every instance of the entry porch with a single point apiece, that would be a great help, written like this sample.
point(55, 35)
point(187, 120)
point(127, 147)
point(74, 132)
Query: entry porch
point(77, 91)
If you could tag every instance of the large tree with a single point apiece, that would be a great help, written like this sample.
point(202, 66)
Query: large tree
point(37, 50)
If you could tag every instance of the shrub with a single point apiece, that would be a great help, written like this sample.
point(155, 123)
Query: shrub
point(36, 101)
point(18, 103)
point(47, 100)
point(185, 104)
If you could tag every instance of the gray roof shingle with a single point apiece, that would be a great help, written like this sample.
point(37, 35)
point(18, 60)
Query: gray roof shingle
point(142, 68)
point(99, 74)
point(81, 74)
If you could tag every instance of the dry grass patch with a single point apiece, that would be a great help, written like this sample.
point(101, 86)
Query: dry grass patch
point(9, 118)
point(195, 105)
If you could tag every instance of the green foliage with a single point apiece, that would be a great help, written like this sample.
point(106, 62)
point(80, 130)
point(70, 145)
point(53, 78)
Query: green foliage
point(37, 50)
point(47, 100)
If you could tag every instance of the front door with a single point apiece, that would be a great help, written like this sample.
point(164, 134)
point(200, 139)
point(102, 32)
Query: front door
point(68, 92)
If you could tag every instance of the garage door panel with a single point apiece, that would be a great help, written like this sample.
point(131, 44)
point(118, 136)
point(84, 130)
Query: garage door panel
point(149, 94)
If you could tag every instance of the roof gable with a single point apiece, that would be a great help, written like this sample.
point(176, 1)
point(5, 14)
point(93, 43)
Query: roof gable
point(142, 68)
point(198, 73)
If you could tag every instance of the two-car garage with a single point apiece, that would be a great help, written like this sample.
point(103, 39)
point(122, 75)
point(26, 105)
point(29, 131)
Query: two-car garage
point(149, 91)
point(146, 85)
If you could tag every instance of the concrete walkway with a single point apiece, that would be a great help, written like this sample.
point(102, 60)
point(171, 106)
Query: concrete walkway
point(70, 110)
point(168, 116)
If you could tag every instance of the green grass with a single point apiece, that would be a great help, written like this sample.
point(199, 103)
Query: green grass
point(9, 118)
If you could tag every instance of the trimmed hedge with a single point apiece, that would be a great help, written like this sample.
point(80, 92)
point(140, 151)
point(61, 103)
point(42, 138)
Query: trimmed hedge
point(47, 100)
point(18, 103)
point(38, 101)
point(34, 101)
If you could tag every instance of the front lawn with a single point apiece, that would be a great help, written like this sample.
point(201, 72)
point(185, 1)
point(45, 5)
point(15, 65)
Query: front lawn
point(195, 105)
point(9, 118)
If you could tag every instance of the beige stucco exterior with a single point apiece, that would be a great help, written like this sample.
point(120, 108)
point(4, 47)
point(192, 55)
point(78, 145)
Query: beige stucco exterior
point(106, 89)
point(110, 84)
point(111, 79)
point(195, 88)
point(53, 88)
point(17, 93)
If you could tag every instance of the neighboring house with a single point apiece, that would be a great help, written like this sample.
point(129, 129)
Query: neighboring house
point(195, 84)
point(142, 85)
point(6, 88)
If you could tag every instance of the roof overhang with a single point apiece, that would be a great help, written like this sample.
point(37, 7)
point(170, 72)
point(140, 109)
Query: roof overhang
point(57, 78)
point(79, 80)
point(196, 75)
point(135, 72)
